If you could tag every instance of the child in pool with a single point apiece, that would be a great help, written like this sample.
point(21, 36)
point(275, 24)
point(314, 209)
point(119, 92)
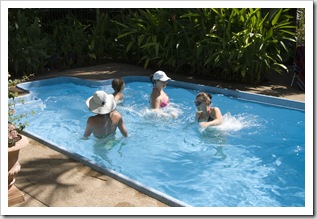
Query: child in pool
point(207, 115)
point(118, 86)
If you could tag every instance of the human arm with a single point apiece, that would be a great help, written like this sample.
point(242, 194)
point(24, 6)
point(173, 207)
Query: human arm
point(88, 129)
point(216, 121)
point(117, 119)
point(122, 128)
point(155, 99)
point(118, 97)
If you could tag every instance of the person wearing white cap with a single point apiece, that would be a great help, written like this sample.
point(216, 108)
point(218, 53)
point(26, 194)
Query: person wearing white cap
point(107, 119)
point(159, 98)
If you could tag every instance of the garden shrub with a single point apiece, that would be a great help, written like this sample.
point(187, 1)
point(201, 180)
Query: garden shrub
point(242, 45)
point(233, 44)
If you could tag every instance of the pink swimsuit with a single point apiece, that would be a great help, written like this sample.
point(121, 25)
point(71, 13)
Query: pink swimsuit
point(165, 102)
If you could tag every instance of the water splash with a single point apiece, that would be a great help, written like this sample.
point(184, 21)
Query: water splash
point(169, 112)
point(237, 122)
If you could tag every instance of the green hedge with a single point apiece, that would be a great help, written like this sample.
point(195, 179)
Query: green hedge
point(241, 45)
point(234, 44)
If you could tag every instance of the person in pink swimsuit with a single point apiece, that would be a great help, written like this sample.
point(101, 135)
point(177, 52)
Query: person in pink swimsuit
point(159, 98)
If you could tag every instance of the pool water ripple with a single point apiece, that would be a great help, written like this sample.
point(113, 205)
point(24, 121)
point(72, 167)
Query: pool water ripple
point(255, 158)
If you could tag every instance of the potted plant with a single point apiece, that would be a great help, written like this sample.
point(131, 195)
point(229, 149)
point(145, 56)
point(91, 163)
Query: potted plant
point(16, 142)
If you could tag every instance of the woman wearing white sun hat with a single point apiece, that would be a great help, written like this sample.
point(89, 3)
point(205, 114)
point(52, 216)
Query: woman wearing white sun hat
point(107, 119)
point(159, 98)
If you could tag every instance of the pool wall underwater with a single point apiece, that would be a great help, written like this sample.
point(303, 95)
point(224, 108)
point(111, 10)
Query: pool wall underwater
point(279, 102)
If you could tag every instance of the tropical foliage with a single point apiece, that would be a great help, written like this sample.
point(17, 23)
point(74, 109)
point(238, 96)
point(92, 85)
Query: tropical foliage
point(225, 43)
point(27, 43)
point(235, 44)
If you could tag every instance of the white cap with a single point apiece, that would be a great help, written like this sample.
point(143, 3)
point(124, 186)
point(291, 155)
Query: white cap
point(160, 75)
point(101, 103)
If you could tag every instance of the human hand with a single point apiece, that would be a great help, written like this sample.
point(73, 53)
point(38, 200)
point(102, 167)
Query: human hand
point(204, 124)
point(199, 113)
point(84, 138)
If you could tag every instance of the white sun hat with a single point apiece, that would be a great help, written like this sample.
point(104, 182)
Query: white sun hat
point(160, 75)
point(101, 103)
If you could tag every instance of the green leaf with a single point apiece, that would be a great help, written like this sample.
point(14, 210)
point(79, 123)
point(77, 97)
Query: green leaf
point(208, 61)
point(289, 39)
point(140, 40)
point(214, 36)
point(216, 11)
point(92, 55)
point(261, 23)
point(283, 45)
point(279, 57)
point(287, 32)
point(129, 46)
point(126, 34)
point(269, 34)
point(120, 24)
point(276, 17)
point(157, 49)
point(148, 45)
point(146, 62)
point(282, 66)
point(247, 45)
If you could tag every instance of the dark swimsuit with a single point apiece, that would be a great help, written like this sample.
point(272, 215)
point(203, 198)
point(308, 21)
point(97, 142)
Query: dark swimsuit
point(208, 120)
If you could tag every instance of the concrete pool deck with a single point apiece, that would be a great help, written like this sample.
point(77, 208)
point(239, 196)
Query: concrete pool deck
point(51, 179)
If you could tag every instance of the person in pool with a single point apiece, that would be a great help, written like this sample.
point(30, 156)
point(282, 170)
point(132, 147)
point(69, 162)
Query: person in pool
point(107, 119)
point(207, 115)
point(159, 98)
point(118, 86)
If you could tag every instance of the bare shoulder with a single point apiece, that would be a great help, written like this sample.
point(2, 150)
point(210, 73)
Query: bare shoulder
point(155, 93)
point(115, 114)
point(118, 96)
point(91, 119)
point(216, 109)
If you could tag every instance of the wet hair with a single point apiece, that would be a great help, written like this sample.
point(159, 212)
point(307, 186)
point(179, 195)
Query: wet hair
point(205, 96)
point(117, 84)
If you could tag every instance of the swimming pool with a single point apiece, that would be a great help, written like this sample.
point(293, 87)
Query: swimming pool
point(256, 158)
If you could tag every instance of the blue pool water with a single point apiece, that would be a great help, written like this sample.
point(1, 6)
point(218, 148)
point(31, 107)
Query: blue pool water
point(255, 158)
